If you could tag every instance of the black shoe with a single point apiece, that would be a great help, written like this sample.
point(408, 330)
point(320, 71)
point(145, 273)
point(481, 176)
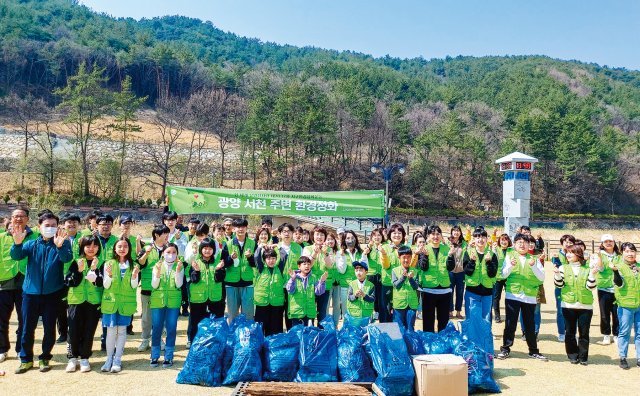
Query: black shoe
point(130, 332)
point(498, 319)
point(185, 313)
point(638, 363)
point(62, 339)
point(103, 347)
point(502, 355)
point(167, 363)
point(584, 363)
point(153, 363)
point(573, 361)
point(539, 356)
point(624, 364)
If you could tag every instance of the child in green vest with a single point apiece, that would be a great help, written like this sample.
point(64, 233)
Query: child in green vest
point(576, 280)
point(166, 297)
point(119, 301)
point(290, 252)
point(350, 251)
point(609, 254)
point(239, 277)
point(480, 267)
point(389, 260)
point(500, 247)
point(374, 275)
point(303, 287)
point(405, 286)
point(558, 260)
point(206, 286)
point(321, 261)
point(626, 278)
point(268, 293)
point(84, 279)
point(333, 287)
point(361, 296)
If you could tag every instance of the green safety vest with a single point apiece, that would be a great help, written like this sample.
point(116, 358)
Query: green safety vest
point(480, 275)
point(522, 279)
point(575, 287)
point(146, 273)
point(349, 272)
point(268, 287)
point(394, 261)
point(359, 308)
point(375, 264)
point(167, 295)
point(207, 288)
point(318, 266)
point(75, 249)
point(436, 275)
point(9, 267)
point(302, 303)
point(119, 297)
point(295, 252)
point(628, 296)
point(243, 271)
point(106, 250)
point(501, 255)
point(604, 278)
point(406, 296)
point(86, 291)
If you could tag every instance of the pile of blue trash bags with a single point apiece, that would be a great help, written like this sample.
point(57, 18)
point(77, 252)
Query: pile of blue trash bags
point(223, 354)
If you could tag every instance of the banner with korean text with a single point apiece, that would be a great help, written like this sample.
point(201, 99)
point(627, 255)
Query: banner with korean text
point(188, 200)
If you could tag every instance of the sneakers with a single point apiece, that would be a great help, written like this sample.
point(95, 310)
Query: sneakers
point(43, 365)
point(24, 367)
point(451, 315)
point(459, 315)
point(72, 366)
point(584, 363)
point(615, 340)
point(130, 332)
point(62, 339)
point(116, 368)
point(498, 319)
point(502, 355)
point(539, 356)
point(573, 361)
point(85, 367)
point(419, 315)
point(561, 338)
point(623, 364)
point(144, 345)
point(153, 363)
point(188, 344)
point(167, 363)
point(376, 316)
point(3, 357)
point(606, 340)
point(106, 367)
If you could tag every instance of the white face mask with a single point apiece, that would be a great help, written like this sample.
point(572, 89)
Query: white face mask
point(48, 232)
point(170, 257)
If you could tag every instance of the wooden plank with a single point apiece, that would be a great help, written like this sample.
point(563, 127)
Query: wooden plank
point(305, 389)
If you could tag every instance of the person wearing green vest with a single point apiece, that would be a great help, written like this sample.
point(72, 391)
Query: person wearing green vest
point(298, 236)
point(126, 225)
point(389, 260)
point(228, 229)
point(333, 288)
point(480, 268)
point(150, 256)
point(107, 242)
point(193, 247)
point(524, 274)
point(405, 294)
point(11, 277)
point(457, 246)
point(206, 287)
point(91, 222)
point(119, 301)
point(71, 225)
point(178, 236)
point(166, 297)
point(268, 288)
point(321, 262)
point(559, 259)
point(239, 277)
point(350, 251)
point(435, 281)
point(576, 281)
point(361, 297)
point(500, 248)
point(609, 324)
point(85, 281)
point(374, 274)
point(193, 224)
point(626, 279)
point(290, 252)
point(303, 287)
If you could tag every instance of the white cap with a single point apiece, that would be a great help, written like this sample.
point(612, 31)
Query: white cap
point(607, 237)
point(340, 230)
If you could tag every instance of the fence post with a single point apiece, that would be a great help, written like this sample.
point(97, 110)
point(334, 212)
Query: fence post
point(593, 246)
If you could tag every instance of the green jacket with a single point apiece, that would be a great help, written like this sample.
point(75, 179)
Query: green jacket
point(604, 278)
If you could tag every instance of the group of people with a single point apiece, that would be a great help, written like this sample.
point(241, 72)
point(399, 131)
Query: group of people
point(78, 277)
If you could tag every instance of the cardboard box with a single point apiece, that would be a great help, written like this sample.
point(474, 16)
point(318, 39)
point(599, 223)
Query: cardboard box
point(440, 375)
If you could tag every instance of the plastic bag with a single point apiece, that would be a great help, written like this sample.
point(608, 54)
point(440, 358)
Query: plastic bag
point(228, 349)
point(353, 363)
point(318, 354)
point(480, 368)
point(247, 363)
point(204, 361)
point(450, 337)
point(478, 330)
point(280, 358)
point(413, 340)
point(391, 362)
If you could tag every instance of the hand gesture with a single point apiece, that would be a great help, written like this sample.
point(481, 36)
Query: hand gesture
point(292, 273)
point(220, 265)
point(139, 237)
point(247, 253)
point(513, 262)
point(594, 270)
point(495, 232)
point(555, 255)
point(411, 274)
point(136, 271)
point(473, 256)
point(94, 264)
point(359, 293)
point(82, 263)
point(234, 255)
point(613, 266)
point(532, 262)
point(61, 236)
point(195, 265)
point(538, 235)
point(179, 266)
point(18, 233)
point(178, 235)
point(147, 249)
point(487, 258)
point(194, 248)
point(543, 257)
point(316, 250)
point(108, 270)
point(404, 272)
point(556, 270)
point(324, 276)
point(157, 269)
point(366, 250)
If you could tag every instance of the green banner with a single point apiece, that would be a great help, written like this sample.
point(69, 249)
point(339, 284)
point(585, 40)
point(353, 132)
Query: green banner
point(187, 200)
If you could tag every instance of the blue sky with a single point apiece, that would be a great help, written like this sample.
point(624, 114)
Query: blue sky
point(606, 32)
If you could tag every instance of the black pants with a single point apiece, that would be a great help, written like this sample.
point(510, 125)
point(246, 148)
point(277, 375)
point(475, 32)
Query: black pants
point(185, 295)
point(608, 313)
point(34, 306)
point(580, 318)
point(200, 311)
point(377, 284)
point(497, 295)
point(271, 318)
point(384, 306)
point(287, 321)
point(302, 321)
point(63, 324)
point(8, 300)
point(83, 321)
point(435, 305)
point(513, 309)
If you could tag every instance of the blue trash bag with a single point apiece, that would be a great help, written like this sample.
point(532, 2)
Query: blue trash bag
point(391, 362)
point(414, 342)
point(204, 361)
point(353, 363)
point(318, 356)
point(280, 358)
point(450, 337)
point(432, 343)
point(480, 368)
point(247, 363)
point(478, 330)
point(228, 349)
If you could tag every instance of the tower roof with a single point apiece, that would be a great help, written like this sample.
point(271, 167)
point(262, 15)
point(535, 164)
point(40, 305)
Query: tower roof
point(517, 156)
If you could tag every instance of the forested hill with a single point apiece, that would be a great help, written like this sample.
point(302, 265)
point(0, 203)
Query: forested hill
point(316, 119)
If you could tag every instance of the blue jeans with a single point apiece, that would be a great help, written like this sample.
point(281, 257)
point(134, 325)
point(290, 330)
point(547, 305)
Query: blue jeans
point(238, 297)
point(457, 286)
point(163, 318)
point(322, 305)
point(559, 316)
point(405, 318)
point(477, 305)
point(537, 318)
point(628, 317)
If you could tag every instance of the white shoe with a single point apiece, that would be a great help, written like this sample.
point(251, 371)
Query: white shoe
point(376, 316)
point(72, 366)
point(144, 345)
point(162, 344)
point(606, 340)
point(84, 366)
point(188, 344)
point(615, 339)
point(561, 338)
point(419, 315)
point(116, 368)
point(106, 367)
point(3, 357)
